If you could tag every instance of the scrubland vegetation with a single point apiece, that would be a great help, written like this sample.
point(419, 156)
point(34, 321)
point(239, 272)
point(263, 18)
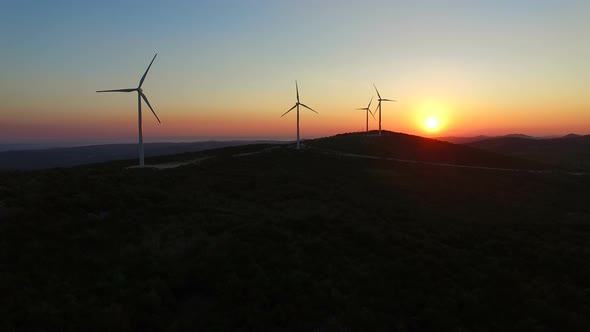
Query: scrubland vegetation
point(295, 240)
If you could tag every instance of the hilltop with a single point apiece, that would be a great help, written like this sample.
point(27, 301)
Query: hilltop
point(265, 237)
point(415, 148)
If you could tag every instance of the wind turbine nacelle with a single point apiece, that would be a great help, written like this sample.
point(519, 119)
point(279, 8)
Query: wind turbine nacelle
point(140, 90)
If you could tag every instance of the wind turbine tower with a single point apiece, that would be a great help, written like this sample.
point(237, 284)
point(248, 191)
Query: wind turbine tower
point(140, 95)
point(297, 104)
point(368, 110)
point(379, 106)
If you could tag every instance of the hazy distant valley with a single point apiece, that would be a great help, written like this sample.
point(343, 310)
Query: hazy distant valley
point(81, 155)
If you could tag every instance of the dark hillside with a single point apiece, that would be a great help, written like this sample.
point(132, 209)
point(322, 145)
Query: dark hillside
point(472, 139)
point(462, 140)
point(295, 241)
point(571, 151)
point(409, 147)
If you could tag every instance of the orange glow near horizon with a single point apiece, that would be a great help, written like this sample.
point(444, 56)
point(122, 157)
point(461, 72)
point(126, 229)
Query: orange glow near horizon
point(110, 119)
point(430, 118)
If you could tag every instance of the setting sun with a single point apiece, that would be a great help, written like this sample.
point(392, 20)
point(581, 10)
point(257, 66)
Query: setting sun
point(432, 116)
point(431, 123)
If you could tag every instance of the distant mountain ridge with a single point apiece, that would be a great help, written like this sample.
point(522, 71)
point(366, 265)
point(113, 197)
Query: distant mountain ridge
point(569, 151)
point(571, 136)
point(471, 139)
point(74, 156)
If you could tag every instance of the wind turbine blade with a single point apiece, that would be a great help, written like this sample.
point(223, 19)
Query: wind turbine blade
point(387, 100)
point(146, 71)
point(373, 115)
point(378, 95)
point(290, 109)
point(118, 90)
point(361, 109)
point(297, 89)
point(150, 106)
point(309, 108)
point(369, 106)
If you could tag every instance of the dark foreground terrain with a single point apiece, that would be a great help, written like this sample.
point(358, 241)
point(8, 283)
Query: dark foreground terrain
point(297, 240)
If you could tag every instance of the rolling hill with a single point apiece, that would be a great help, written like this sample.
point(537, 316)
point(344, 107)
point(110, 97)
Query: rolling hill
point(462, 140)
point(416, 148)
point(571, 151)
point(471, 139)
point(338, 236)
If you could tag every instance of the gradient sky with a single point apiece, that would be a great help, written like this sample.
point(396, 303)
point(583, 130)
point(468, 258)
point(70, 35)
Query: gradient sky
point(226, 69)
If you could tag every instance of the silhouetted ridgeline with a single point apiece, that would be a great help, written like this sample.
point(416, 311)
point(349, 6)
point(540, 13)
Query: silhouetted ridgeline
point(66, 157)
point(472, 139)
point(462, 140)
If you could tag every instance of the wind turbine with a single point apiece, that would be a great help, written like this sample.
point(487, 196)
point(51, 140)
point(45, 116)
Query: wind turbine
point(368, 110)
point(379, 106)
point(297, 106)
point(140, 95)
